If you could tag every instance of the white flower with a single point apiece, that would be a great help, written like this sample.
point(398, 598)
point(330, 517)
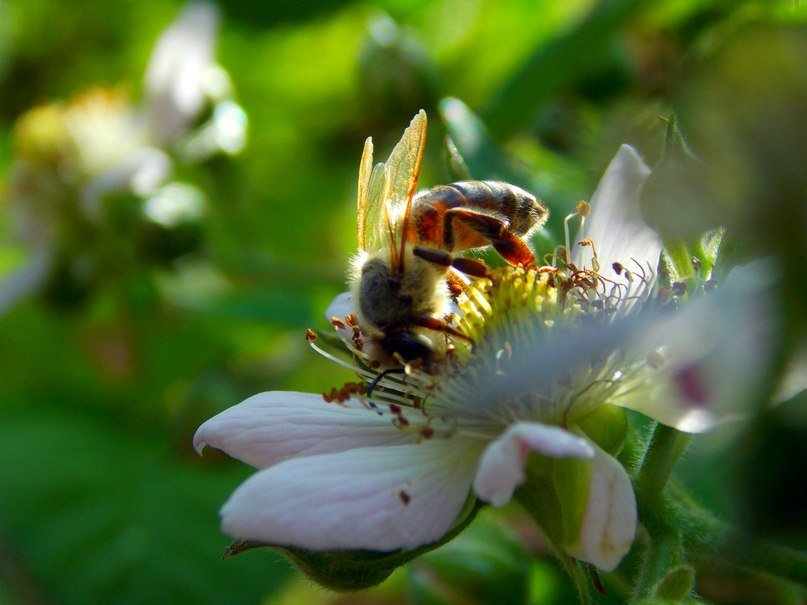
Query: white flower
point(72, 156)
point(394, 471)
point(179, 71)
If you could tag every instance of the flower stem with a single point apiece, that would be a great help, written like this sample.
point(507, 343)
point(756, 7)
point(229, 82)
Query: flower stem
point(664, 449)
point(708, 537)
point(530, 497)
point(662, 552)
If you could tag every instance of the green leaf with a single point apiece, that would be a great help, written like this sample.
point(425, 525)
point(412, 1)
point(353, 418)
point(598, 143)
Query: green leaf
point(556, 66)
point(481, 155)
point(471, 144)
point(100, 516)
point(486, 564)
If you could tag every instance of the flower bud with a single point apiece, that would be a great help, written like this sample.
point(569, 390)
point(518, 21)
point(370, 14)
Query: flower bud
point(607, 426)
point(677, 584)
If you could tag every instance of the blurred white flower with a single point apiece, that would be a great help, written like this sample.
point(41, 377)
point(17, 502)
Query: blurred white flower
point(551, 347)
point(72, 158)
point(177, 76)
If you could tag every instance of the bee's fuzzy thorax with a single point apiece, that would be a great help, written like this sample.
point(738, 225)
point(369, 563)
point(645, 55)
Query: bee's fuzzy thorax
point(421, 291)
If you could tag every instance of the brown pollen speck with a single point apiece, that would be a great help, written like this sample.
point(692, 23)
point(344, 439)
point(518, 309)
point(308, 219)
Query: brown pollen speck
point(583, 208)
point(405, 498)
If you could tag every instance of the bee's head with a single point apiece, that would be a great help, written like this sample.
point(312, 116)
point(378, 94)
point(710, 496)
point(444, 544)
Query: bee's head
point(409, 345)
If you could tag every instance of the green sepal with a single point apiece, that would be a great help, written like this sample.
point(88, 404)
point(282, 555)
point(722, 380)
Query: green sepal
point(572, 479)
point(674, 188)
point(349, 570)
point(556, 495)
point(608, 427)
point(457, 167)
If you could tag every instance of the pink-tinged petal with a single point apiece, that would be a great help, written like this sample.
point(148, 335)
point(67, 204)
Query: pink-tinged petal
point(175, 75)
point(501, 469)
point(269, 428)
point(615, 224)
point(609, 523)
point(376, 498)
point(707, 361)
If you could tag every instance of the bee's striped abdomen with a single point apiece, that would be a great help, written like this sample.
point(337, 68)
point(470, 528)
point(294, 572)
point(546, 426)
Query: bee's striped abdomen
point(518, 209)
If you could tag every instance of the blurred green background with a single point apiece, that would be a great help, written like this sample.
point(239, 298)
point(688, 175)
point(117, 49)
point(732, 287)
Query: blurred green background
point(102, 499)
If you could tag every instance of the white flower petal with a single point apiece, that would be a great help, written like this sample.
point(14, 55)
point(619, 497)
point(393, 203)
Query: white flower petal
point(609, 523)
point(26, 280)
point(175, 75)
point(501, 469)
point(141, 173)
point(269, 428)
point(794, 380)
point(712, 356)
point(380, 498)
point(342, 306)
point(615, 224)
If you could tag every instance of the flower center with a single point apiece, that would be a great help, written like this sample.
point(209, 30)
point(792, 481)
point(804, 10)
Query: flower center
point(510, 317)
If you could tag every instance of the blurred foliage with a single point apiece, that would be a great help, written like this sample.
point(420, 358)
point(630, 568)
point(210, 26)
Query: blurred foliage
point(102, 499)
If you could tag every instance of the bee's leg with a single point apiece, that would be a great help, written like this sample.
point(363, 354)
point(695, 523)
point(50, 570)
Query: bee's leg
point(436, 324)
point(469, 266)
point(371, 387)
point(495, 230)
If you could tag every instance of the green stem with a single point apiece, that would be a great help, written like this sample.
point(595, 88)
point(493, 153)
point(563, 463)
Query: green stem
point(665, 448)
point(662, 553)
point(582, 583)
point(708, 537)
point(531, 499)
point(663, 539)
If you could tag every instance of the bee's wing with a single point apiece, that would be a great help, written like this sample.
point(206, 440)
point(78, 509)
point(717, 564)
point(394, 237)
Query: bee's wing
point(370, 215)
point(374, 215)
point(400, 179)
point(365, 168)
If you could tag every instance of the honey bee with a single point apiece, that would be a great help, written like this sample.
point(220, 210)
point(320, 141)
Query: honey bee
point(400, 279)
